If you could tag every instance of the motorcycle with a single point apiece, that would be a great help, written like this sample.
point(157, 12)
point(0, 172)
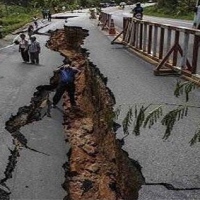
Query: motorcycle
point(138, 16)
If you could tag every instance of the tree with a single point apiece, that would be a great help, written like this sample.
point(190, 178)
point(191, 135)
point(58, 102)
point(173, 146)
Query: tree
point(147, 116)
point(181, 6)
point(185, 6)
point(167, 4)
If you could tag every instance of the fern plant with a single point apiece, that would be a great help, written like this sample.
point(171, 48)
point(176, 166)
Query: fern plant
point(147, 116)
point(185, 87)
point(171, 117)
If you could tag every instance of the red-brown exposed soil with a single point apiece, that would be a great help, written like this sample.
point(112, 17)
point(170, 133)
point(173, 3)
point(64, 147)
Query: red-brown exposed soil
point(97, 167)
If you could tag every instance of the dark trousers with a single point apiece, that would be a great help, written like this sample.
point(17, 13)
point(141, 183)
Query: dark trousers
point(70, 88)
point(34, 57)
point(36, 24)
point(24, 54)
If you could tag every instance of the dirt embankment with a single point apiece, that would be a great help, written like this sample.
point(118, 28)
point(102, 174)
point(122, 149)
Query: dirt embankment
point(98, 168)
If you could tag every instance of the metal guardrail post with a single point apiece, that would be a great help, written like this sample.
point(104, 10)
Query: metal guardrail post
point(109, 19)
point(185, 50)
point(141, 36)
point(154, 40)
point(105, 20)
point(131, 40)
point(145, 37)
point(161, 46)
point(195, 53)
point(169, 38)
point(125, 26)
point(176, 42)
point(128, 29)
point(149, 39)
point(136, 34)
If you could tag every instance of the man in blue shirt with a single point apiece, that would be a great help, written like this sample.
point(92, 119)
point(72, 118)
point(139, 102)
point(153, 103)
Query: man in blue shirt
point(66, 83)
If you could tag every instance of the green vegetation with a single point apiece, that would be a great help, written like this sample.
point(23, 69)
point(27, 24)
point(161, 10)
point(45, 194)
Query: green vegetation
point(181, 9)
point(163, 12)
point(154, 11)
point(15, 14)
point(14, 17)
point(145, 116)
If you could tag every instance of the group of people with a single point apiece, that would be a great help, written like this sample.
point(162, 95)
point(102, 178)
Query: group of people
point(46, 14)
point(31, 28)
point(29, 50)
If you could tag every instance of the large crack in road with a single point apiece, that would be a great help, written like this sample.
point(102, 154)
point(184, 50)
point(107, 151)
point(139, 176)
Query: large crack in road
point(101, 171)
point(38, 108)
point(97, 166)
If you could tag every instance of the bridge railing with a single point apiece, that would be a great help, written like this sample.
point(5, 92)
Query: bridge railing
point(105, 19)
point(174, 48)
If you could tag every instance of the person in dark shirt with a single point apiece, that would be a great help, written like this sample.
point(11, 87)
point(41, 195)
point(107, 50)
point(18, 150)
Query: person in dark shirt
point(138, 11)
point(35, 19)
point(30, 31)
point(49, 15)
point(43, 13)
point(66, 83)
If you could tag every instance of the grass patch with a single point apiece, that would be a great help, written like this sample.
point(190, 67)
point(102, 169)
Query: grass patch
point(14, 17)
point(12, 23)
point(167, 13)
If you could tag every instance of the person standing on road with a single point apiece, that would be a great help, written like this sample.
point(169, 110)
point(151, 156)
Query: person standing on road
point(35, 21)
point(34, 50)
point(43, 13)
point(30, 31)
point(49, 15)
point(66, 83)
point(23, 48)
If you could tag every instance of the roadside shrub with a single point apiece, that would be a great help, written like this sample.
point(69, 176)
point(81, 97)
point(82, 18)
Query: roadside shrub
point(168, 13)
point(185, 6)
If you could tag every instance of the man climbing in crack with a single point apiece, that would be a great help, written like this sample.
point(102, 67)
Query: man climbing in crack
point(67, 75)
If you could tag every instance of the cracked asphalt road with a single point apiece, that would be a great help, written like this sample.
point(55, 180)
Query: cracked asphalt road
point(36, 176)
point(131, 80)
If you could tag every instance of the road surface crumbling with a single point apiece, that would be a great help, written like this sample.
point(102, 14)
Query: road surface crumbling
point(97, 167)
